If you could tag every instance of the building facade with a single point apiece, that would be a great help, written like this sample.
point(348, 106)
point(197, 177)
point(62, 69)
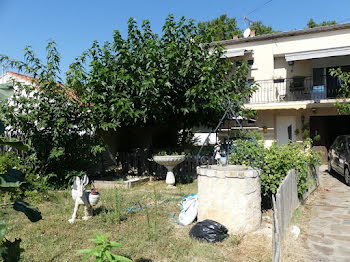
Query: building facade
point(296, 94)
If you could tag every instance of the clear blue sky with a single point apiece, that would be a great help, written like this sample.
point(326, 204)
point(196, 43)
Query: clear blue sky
point(74, 24)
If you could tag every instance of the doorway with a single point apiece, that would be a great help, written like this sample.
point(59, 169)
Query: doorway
point(285, 126)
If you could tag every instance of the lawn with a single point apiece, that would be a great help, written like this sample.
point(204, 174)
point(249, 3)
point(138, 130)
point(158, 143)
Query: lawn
point(151, 235)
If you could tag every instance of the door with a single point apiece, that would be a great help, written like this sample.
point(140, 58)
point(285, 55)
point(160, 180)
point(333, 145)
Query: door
point(285, 126)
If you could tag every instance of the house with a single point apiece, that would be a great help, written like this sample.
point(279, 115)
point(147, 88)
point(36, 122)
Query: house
point(296, 94)
point(7, 81)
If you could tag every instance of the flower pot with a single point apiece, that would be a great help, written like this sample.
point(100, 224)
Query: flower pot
point(94, 198)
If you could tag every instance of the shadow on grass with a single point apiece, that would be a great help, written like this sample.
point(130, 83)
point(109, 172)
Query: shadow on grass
point(143, 260)
point(101, 210)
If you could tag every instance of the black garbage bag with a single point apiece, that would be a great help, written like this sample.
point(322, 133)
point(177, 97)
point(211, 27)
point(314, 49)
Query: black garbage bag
point(209, 230)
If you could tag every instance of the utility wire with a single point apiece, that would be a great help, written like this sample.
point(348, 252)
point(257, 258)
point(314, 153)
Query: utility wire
point(259, 7)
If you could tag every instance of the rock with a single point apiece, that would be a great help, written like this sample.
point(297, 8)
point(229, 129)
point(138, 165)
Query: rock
point(295, 230)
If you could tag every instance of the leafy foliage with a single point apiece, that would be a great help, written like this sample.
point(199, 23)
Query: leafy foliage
point(278, 160)
point(103, 250)
point(147, 80)
point(261, 29)
point(47, 114)
point(221, 28)
point(11, 178)
point(225, 28)
point(344, 92)
point(313, 24)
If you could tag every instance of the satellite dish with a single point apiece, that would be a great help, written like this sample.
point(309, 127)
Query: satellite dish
point(246, 33)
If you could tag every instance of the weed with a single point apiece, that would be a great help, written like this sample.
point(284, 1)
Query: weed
point(103, 250)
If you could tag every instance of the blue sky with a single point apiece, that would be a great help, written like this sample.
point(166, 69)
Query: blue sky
point(75, 24)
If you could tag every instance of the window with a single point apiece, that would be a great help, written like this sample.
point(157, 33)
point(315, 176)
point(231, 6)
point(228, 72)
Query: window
point(318, 76)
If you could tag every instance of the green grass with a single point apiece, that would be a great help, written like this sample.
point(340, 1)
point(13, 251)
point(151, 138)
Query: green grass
point(146, 236)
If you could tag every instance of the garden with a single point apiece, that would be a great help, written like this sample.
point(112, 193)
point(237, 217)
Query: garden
point(143, 91)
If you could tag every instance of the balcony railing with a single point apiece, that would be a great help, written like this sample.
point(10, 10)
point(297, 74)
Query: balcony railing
point(284, 90)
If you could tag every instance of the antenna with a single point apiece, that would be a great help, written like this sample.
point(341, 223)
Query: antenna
point(248, 21)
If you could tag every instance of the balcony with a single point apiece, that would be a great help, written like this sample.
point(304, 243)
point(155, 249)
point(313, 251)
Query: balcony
point(290, 89)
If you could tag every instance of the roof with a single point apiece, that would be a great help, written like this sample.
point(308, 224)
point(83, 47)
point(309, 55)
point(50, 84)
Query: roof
point(23, 77)
point(283, 34)
point(68, 91)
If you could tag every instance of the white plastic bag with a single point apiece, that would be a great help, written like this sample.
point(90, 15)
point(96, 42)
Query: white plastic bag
point(189, 210)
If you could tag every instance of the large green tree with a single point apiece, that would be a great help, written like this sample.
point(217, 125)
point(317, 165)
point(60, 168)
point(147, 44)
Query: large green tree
point(343, 105)
point(220, 28)
point(142, 81)
point(261, 29)
point(313, 24)
point(148, 80)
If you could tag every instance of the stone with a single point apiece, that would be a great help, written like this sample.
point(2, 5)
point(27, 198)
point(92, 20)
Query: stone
point(295, 230)
point(231, 196)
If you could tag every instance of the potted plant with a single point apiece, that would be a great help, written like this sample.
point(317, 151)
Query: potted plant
point(170, 161)
point(94, 196)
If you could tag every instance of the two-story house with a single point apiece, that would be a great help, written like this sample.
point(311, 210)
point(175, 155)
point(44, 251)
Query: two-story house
point(296, 93)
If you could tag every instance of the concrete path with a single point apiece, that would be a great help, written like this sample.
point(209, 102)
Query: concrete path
point(328, 238)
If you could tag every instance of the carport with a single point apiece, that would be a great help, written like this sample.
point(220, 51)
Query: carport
point(328, 127)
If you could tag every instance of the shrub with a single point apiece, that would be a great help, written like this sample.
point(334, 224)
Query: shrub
point(276, 162)
point(51, 120)
point(11, 179)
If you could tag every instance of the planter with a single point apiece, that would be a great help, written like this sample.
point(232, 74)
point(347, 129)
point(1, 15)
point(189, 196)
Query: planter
point(94, 198)
point(169, 162)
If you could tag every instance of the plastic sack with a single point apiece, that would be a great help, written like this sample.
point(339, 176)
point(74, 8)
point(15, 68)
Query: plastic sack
point(189, 210)
point(209, 230)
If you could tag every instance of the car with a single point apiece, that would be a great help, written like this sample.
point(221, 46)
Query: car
point(339, 157)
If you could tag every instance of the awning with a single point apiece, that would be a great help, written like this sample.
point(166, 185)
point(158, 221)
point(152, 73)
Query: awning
point(234, 53)
point(338, 51)
point(243, 118)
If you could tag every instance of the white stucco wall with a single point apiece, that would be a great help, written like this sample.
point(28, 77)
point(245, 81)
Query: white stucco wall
point(266, 53)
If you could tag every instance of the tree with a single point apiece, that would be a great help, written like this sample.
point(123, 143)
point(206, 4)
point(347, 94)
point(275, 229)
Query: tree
point(313, 24)
point(261, 29)
point(221, 28)
point(51, 120)
point(146, 80)
point(343, 107)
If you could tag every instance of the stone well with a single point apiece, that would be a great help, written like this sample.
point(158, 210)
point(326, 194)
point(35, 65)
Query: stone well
point(231, 196)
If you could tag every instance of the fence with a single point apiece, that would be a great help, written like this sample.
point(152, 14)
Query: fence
point(285, 202)
point(288, 89)
point(139, 163)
